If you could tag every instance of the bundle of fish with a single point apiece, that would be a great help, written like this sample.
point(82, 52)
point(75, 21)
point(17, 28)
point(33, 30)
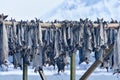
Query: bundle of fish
point(54, 45)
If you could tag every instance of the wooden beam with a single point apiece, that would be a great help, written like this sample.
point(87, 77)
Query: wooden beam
point(49, 24)
point(44, 25)
point(95, 64)
point(10, 23)
point(90, 70)
point(42, 75)
point(95, 25)
point(73, 67)
point(113, 25)
point(110, 25)
point(25, 70)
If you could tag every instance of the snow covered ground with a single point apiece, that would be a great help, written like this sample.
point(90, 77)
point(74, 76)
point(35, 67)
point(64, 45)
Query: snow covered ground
point(64, 76)
point(51, 74)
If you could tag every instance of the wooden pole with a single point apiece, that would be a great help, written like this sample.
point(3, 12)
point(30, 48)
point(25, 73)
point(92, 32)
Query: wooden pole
point(25, 70)
point(90, 70)
point(73, 67)
point(95, 64)
point(45, 25)
point(42, 75)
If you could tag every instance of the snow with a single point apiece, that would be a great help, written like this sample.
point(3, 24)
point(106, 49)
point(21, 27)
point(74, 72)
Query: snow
point(51, 73)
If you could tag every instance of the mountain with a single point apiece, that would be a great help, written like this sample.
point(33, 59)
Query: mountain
point(92, 9)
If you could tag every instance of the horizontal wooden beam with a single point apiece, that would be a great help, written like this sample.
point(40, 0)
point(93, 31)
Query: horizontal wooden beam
point(10, 23)
point(42, 24)
point(95, 25)
point(110, 25)
point(50, 24)
point(113, 25)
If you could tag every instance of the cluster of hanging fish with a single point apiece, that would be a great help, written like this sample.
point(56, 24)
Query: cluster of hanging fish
point(54, 45)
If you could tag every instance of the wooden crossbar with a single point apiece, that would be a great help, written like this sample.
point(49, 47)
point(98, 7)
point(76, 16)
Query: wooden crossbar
point(42, 24)
point(110, 25)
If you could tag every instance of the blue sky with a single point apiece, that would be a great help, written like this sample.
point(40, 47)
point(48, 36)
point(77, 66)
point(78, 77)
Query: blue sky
point(49, 10)
point(27, 9)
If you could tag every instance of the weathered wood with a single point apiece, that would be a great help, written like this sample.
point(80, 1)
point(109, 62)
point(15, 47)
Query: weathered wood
point(49, 24)
point(95, 64)
point(95, 25)
point(25, 70)
point(90, 70)
point(113, 25)
point(42, 75)
point(44, 25)
point(73, 67)
point(110, 25)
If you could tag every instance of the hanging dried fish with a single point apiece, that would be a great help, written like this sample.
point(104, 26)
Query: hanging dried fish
point(117, 53)
point(4, 44)
point(69, 30)
point(40, 34)
point(103, 34)
point(56, 44)
point(64, 36)
point(81, 32)
point(52, 34)
point(47, 36)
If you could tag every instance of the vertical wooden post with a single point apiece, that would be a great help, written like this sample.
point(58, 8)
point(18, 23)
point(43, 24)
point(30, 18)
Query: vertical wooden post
point(25, 69)
point(73, 67)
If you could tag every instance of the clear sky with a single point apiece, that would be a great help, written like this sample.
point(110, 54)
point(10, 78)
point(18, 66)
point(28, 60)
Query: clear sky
point(27, 9)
